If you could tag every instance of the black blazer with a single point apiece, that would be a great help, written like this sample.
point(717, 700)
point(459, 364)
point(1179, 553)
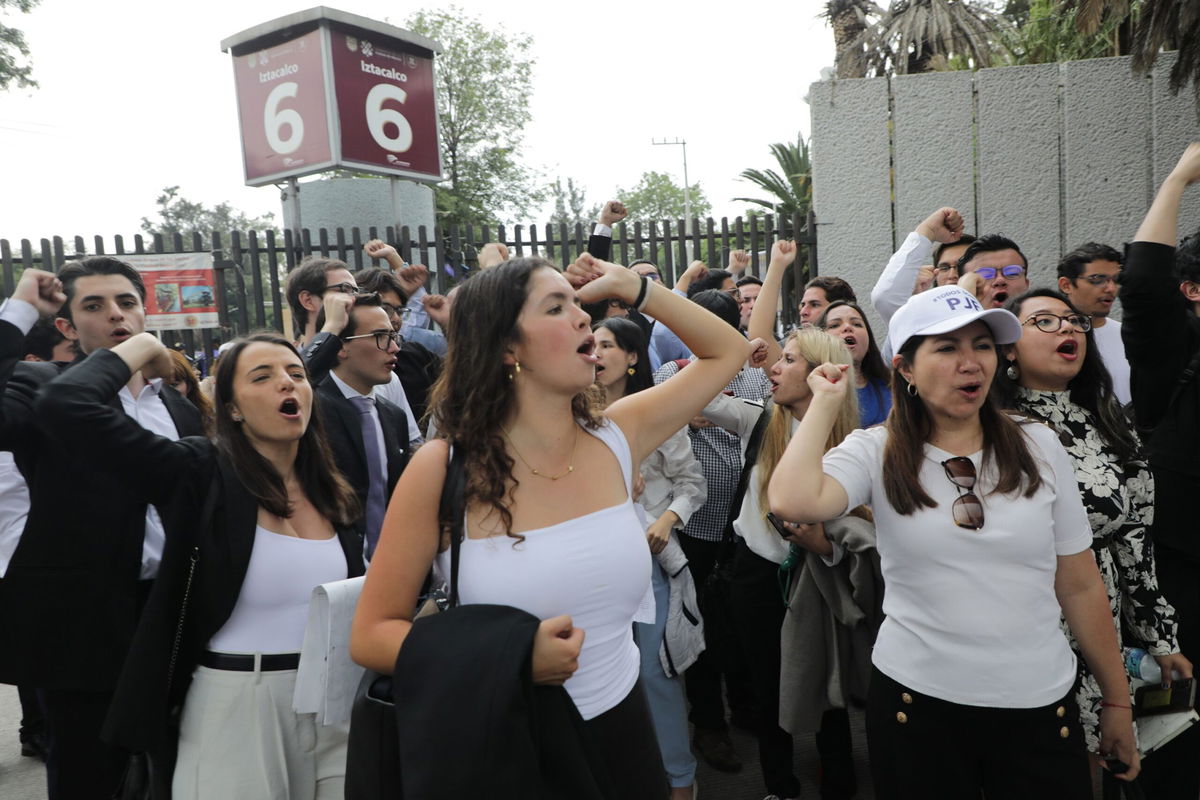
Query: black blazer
point(176, 476)
point(340, 419)
point(71, 593)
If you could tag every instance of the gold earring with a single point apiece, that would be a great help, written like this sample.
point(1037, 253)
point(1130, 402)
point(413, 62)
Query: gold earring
point(630, 371)
point(516, 367)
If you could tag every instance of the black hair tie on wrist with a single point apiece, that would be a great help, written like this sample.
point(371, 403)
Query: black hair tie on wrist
point(642, 292)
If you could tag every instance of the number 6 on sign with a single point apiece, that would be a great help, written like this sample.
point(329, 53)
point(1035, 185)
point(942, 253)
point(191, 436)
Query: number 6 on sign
point(274, 120)
point(378, 117)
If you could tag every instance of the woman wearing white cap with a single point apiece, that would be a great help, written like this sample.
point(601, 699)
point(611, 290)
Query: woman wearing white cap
point(983, 539)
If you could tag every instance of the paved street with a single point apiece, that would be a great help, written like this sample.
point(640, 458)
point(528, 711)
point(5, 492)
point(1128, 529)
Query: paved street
point(20, 778)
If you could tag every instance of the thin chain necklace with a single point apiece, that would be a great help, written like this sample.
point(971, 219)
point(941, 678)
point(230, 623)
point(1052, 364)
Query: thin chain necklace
point(570, 466)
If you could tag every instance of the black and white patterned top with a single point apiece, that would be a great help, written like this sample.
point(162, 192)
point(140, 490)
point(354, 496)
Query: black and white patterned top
point(719, 453)
point(1119, 499)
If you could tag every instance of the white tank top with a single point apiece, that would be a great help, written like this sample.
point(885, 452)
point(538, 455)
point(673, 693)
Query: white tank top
point(594, 568)
point(272, 606)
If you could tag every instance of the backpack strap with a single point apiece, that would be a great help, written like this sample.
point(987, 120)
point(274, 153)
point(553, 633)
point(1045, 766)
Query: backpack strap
point(452, 508)
point(748, 461)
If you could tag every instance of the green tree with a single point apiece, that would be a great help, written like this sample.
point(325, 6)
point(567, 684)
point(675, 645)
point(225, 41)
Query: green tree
point(185, 217)
point(15, 69)
point(484, 80)
point(656, 197)
point(570, 204)
point(1045, 33)
point(927, 35)
point(789, 191)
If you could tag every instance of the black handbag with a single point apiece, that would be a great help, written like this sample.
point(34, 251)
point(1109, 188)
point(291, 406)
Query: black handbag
point(373, 751)
point(148, 775)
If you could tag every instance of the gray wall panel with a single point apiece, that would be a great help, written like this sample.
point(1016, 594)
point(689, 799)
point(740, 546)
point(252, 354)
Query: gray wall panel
point(1018, 161)
point(1174, 127)
point(1106, 116)
point(933, 152)
point(851, 180)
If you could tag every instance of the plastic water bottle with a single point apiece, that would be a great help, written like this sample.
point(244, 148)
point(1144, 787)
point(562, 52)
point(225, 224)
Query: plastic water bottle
point(1141, 665)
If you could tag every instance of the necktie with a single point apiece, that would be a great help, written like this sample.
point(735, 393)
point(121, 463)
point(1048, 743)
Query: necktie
point(376, 500)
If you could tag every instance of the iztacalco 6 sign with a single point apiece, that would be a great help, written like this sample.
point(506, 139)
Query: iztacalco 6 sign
point(323, 89)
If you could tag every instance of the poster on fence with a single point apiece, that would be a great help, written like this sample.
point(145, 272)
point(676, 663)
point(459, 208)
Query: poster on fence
point(180, 290)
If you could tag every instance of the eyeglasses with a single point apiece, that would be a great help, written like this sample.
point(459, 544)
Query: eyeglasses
point(1011, 271)
point(967, 510)
point(652, 276)
point(1100, 280)
point(403, 313)
point(382, 340)
point(342, 288)
point(1052, 323)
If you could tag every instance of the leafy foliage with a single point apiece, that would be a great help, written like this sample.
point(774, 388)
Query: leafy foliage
point(14, 52)
point(185, 217)
point(570, 204)
point(656, 197)
point(790, 189)
point(484, 80)
point(1049, 34)
point(926, 35)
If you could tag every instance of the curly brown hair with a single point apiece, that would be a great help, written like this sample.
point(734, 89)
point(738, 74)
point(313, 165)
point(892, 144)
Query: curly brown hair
point(474, 395)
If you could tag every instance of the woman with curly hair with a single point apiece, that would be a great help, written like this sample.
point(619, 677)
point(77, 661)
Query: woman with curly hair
point(550, 525)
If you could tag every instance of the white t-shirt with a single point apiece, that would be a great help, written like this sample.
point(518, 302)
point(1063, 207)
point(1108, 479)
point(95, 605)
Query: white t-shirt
point(1112, 350)
point(972, 617)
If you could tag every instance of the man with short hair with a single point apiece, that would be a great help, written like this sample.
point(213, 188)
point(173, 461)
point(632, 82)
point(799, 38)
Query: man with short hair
point(748, 288)
point(938, 239)
point(1160, 296)
point(1089, 276)
point(820, 292)
point(81, 572)
point(1000, 268)
point(369, 436)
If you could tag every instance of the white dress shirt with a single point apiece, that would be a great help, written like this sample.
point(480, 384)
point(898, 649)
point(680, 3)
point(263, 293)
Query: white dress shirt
point(149, 411)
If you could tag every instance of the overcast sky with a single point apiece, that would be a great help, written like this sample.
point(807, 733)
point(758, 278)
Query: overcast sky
point(135, 96)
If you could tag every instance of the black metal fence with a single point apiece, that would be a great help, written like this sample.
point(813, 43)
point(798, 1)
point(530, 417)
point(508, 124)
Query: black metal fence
point(251, 267)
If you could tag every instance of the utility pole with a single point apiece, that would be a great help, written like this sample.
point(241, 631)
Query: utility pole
point(687, 190)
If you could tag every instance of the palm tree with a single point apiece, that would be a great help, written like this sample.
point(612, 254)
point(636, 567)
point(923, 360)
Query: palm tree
point(790, 192)
point(848, 18)
point(924, 35)
point(1154, 26)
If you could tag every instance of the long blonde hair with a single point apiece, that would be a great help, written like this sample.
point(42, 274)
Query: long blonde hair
point(816, 347)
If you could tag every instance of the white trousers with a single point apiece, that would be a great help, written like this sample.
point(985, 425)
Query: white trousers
point(241, 740)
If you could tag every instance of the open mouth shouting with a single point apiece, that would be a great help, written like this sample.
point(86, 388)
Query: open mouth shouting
point(120, 334)
point(850, 341)
point(1069, 349)
point(971, 391)
point(588, 351)
point(999, 298)
point(290, 408)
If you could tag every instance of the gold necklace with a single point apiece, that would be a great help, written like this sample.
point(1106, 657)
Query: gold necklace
point(570, 466)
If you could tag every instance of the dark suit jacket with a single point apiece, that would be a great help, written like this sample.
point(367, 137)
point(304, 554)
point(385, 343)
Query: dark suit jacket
point(342, 427)
point(70, 596)
point(177, 476)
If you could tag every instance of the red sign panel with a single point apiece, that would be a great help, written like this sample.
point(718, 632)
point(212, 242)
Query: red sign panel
point(180, 290)
point(385, 101)
point(282, 104)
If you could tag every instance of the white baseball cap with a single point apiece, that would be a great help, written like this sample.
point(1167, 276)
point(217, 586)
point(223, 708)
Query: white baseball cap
point(945, 309)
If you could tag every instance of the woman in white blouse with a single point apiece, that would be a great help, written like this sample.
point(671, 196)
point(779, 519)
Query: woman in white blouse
point(982, 539)
point(675, 488)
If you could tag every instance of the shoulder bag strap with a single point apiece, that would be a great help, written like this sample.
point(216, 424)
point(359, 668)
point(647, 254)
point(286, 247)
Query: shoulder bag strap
point(206, 516)
point(748, 461)
point(453, 508)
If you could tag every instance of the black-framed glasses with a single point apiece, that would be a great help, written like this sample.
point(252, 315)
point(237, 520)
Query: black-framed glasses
point(1011, 271)
point(342, 288)
point(1100, 280)
point(404, 312)
point(1052, 323)
point(967, 510)
point(382, 340)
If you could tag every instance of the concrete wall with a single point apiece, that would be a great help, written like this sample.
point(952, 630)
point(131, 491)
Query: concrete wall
point(362, 203)
point(1052, 155)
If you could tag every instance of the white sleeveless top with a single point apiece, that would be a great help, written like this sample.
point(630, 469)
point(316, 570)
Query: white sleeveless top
point(272, 606)
point(594, 568)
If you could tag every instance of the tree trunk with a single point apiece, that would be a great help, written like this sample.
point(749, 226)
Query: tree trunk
point(844, 18)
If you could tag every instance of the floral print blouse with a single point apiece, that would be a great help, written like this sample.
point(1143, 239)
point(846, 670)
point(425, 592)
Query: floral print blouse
point(1119, 499)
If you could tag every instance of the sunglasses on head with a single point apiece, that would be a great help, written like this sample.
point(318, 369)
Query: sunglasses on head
point(967, 510)
point(989, 273)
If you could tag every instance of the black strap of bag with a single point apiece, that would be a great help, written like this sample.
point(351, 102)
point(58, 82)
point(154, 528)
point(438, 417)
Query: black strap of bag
point(373, 752)
point(749, 459)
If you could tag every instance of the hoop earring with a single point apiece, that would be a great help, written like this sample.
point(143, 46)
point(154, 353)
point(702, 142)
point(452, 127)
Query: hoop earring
point(911, 388)
point(1013, 372)
point(630, 371)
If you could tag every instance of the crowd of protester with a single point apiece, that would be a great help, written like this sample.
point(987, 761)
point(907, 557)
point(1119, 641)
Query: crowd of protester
point(654, 513)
